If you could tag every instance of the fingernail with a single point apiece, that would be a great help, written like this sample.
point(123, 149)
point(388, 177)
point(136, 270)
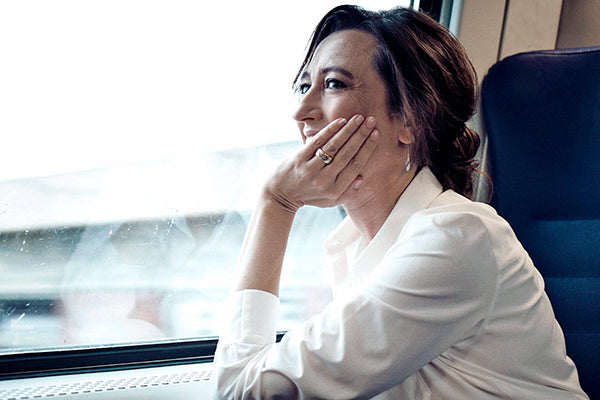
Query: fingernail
point(360, 119)
point(342, 121)
point(371, 122)
point(374, 135)
point(357, 184)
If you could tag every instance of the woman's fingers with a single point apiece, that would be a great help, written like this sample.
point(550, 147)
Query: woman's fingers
point(352, 144)
point(332, 137)
point(323, 136)
point(349, 149)
point(350, 174)
point(333, 145)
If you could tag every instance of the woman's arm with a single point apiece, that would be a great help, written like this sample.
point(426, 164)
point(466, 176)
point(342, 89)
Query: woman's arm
point(264, 246)
point(302, 179)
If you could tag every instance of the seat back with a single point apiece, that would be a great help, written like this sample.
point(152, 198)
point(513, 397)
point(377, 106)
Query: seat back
point(541, 115)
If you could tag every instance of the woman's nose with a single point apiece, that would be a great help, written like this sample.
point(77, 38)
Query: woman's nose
point(309, 107)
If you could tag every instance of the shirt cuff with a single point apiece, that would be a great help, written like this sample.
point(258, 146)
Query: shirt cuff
point(250, 316)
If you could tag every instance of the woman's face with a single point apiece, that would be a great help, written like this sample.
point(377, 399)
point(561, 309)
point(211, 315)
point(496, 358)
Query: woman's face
point(340, 81)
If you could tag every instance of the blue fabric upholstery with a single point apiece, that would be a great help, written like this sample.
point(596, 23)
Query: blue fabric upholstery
point(541, 114)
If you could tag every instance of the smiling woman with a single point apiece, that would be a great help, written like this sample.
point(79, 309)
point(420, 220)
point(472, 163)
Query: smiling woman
point(434, 297)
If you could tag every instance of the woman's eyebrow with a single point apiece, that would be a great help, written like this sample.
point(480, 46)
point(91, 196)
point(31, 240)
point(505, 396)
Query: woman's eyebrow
point(304, 75)
point(340, 70)
point(343, 71)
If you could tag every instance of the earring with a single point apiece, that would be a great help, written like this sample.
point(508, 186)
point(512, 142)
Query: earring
point(408, 162)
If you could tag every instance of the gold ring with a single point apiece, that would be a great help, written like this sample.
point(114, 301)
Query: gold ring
point(326, 158)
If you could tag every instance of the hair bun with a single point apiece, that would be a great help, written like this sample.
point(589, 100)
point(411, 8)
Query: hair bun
point(464, 147)
point(455, 163)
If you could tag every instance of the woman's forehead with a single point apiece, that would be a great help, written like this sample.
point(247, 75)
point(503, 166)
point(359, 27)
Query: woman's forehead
point(347, 48)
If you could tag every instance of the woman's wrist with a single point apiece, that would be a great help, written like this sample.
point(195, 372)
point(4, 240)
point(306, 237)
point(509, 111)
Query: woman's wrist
point(270, 198)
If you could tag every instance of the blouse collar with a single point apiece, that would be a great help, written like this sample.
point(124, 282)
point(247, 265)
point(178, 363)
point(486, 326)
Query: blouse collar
point(345, 240)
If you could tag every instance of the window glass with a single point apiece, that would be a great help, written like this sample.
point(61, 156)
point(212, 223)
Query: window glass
point(135, 137)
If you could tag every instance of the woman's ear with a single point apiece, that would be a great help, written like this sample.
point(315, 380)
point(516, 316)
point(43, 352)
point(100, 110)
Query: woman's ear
point(405, 136)
point(404, 131)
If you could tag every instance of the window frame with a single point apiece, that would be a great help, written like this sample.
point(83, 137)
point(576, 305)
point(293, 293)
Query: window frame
point(49, 362)
point(38, 363)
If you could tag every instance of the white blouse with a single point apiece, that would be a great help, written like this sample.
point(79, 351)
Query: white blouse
point(443, 303)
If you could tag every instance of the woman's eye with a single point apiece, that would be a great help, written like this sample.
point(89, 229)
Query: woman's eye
point(303, 88)
point(334, 84)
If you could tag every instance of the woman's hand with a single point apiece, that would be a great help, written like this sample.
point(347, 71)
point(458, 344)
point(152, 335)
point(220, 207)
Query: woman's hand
point(302, 179)
point(305, 179)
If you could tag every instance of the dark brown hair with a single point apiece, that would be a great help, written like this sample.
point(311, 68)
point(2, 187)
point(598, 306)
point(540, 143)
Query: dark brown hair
point(431, 84)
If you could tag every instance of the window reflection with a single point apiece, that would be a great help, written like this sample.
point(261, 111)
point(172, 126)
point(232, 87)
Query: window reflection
point(72, 280)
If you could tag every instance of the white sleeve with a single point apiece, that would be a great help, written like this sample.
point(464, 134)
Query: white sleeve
point(432, 289)
point(247, 332)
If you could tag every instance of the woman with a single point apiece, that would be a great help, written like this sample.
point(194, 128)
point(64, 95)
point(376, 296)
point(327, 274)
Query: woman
point(433, 295)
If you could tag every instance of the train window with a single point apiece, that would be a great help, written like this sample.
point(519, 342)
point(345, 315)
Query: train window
point(135, 136)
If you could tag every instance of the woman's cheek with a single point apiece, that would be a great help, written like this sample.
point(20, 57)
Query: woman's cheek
point(346, 106)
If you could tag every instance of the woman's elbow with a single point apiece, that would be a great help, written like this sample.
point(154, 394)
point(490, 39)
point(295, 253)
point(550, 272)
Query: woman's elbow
point(277, 387)
point(273, 386)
